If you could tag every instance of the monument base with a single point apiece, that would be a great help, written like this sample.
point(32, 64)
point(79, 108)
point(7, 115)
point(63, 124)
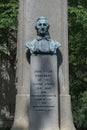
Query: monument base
point(21, 120)
point(66, 120)
point(43, 93)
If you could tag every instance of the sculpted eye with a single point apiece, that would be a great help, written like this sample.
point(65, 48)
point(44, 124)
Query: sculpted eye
point(44, 24)
point(39, 24)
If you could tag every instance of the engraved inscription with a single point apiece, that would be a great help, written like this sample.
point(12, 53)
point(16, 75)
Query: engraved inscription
point(43, 92)
point(42, 88)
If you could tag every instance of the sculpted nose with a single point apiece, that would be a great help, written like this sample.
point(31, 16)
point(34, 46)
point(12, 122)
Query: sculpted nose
point(42, 27)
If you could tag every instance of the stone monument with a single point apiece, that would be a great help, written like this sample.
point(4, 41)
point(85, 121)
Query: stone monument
point(43, 100)
point(44, 79)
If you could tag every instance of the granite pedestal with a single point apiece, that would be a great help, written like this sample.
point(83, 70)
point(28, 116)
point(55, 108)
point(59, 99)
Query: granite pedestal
point(44, 93)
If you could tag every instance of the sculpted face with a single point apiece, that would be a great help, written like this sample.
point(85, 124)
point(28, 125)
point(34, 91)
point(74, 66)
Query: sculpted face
point(42, 26)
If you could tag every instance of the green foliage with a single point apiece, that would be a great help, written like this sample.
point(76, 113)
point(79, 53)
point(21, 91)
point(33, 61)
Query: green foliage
point(8, 27)
point(8, 40)
point(80, 111)
point(78, 60)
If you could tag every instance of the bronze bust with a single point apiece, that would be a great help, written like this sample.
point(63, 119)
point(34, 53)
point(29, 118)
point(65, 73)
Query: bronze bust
point(42, 43)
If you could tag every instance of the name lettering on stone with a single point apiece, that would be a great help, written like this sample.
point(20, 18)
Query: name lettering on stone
point(42, 87)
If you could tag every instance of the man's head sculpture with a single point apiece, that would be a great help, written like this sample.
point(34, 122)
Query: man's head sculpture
point(42, 43)
point(42, 26)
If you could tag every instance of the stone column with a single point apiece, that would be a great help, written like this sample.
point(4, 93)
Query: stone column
point(66, 121)
point(21, 120)
point(56, 13)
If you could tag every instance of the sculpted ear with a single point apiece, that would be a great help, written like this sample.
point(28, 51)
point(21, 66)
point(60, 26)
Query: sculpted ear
point(48, 26)
point(36, 27)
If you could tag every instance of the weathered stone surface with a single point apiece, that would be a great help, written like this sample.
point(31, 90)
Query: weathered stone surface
point(44, 93)
point(22, 112)
point(66, 114)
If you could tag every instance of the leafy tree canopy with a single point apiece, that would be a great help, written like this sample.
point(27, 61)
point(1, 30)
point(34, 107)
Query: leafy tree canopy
point(8, 27)
point(77, 12)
